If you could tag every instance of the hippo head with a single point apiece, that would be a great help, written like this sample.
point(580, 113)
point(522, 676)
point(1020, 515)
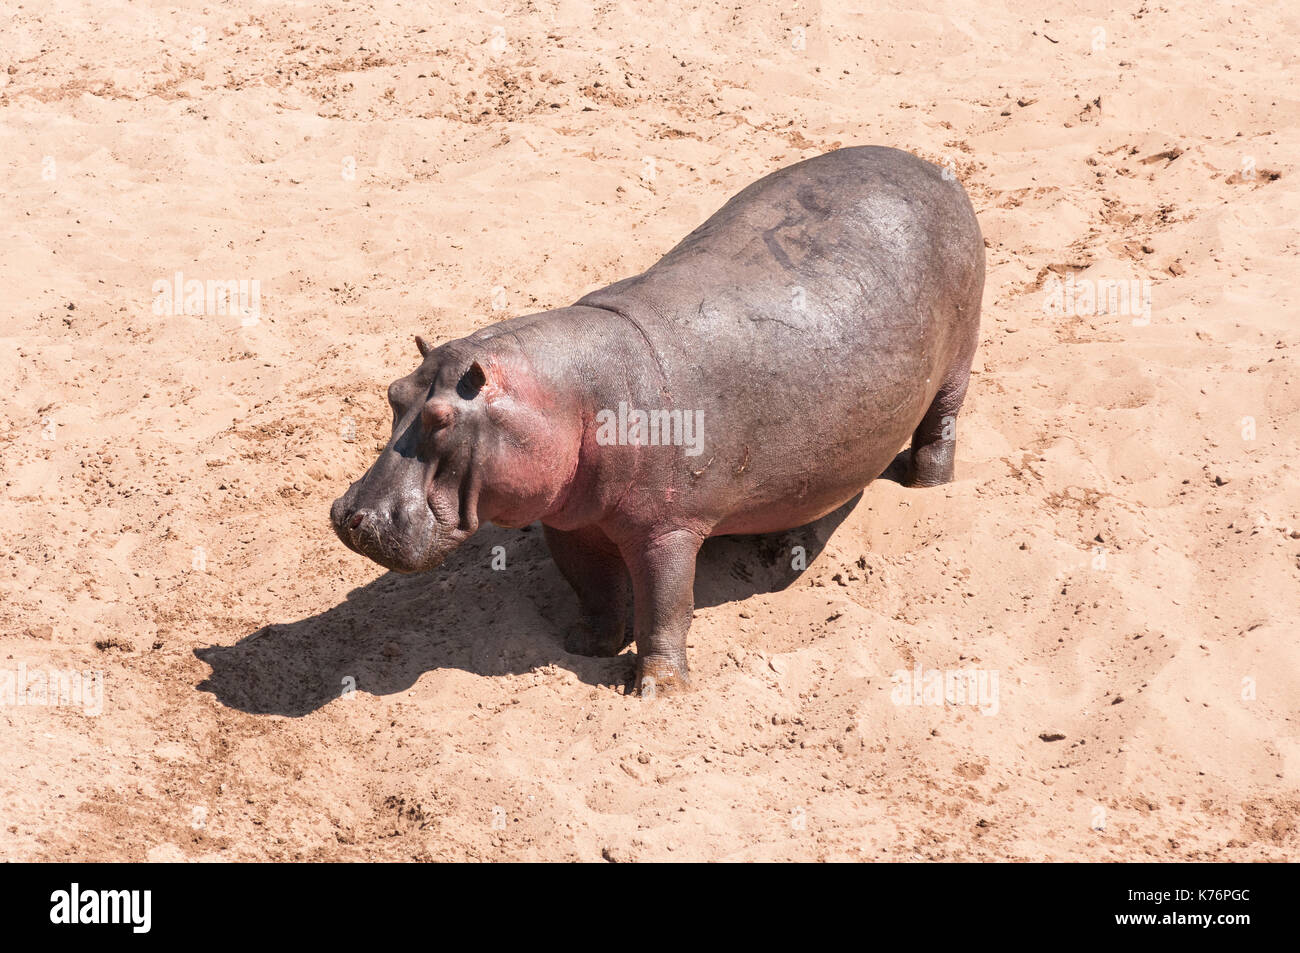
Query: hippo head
point(475, 437)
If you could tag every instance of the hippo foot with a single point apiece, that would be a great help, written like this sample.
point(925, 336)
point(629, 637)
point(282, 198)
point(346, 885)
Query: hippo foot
point(932, 464)
point(594, 639)
point(657, 675)
point(924, 466)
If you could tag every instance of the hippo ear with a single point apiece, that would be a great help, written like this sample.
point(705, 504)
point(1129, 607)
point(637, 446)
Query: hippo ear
point(472, 382)
point(421, 346)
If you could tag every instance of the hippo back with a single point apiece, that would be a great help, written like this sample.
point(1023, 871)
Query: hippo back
point(815, 314)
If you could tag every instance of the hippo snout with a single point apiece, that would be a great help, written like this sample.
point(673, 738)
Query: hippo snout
point(396, 535)
point(353, 523)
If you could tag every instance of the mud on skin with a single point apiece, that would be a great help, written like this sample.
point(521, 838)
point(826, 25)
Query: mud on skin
point(821, 319)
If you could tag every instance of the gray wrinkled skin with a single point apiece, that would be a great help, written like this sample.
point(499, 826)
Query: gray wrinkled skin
point(823, 317)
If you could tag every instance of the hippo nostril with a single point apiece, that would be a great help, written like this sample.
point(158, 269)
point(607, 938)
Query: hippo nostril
point(356, 520)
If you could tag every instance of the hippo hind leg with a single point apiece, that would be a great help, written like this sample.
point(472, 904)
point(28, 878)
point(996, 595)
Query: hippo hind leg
point(929, 461)
point(595, 569)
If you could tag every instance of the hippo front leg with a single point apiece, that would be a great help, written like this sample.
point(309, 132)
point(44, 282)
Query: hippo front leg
point(594, 568)
point(663, 594)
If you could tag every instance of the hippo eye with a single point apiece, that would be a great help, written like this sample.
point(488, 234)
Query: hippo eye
point(473, 381)
point(395, 395)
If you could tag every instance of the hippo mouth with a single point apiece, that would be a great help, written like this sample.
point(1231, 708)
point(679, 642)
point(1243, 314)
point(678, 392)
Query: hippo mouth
point(401, 538)
point(411, 531)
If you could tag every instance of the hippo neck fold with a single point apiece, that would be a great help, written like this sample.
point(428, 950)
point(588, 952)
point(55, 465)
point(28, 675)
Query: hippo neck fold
point(571, 364)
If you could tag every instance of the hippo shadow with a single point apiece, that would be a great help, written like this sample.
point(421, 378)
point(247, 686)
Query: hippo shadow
point(470, 616)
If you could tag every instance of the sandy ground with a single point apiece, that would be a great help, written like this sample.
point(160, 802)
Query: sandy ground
point(1121, 549)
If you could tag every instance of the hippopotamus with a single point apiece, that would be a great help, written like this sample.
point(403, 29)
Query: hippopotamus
point(754, 379)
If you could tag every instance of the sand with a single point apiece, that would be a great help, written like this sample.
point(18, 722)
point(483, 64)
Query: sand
point(1121, 549)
